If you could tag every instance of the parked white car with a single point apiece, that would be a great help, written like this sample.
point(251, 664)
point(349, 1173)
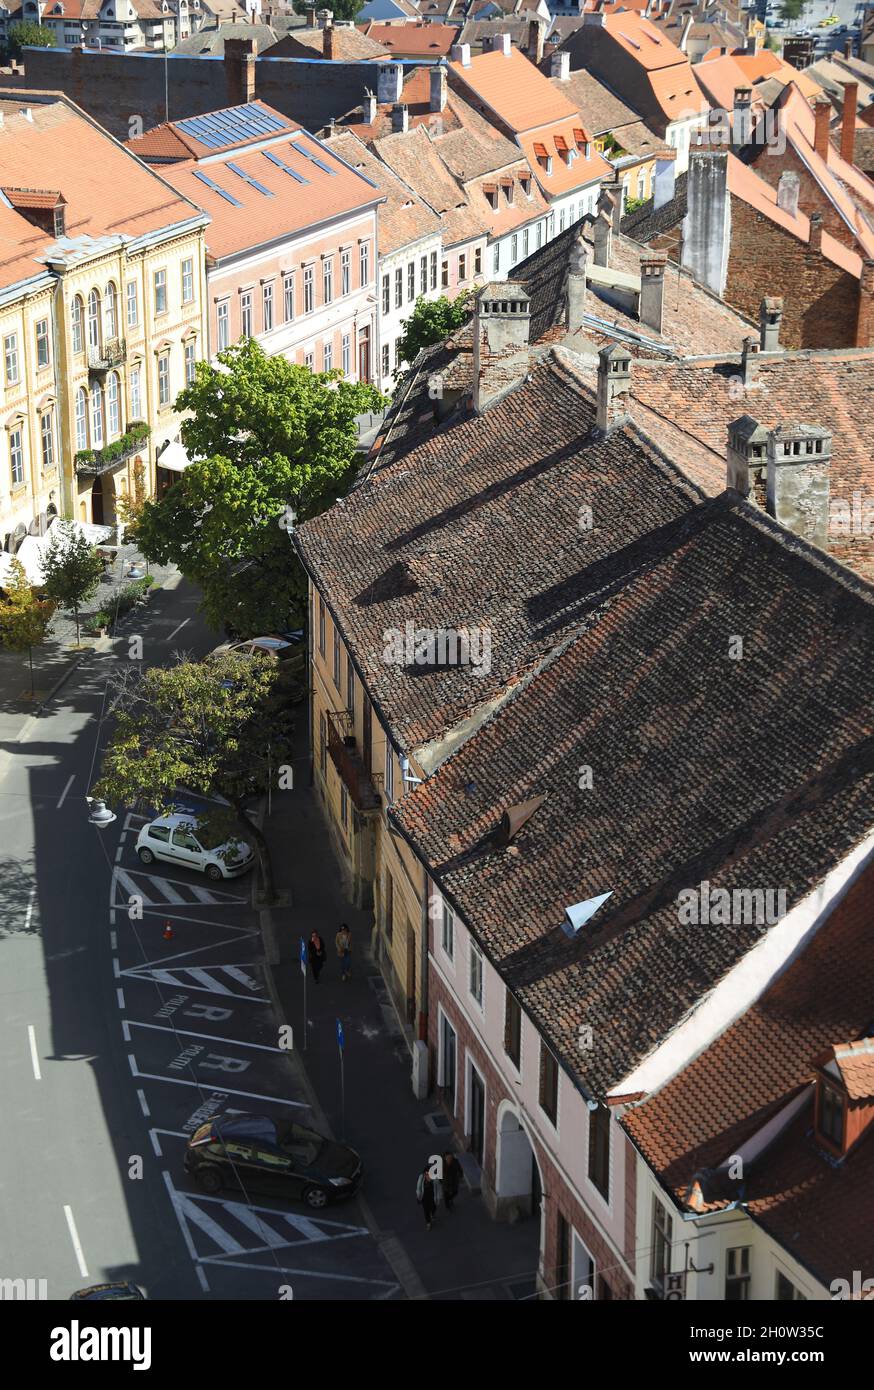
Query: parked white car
point(177, 839)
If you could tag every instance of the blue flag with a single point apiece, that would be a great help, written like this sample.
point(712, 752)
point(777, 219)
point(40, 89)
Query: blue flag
point(303, 956)
point(341, 1041)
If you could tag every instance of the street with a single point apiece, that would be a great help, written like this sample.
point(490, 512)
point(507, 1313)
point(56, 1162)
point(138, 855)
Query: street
point(117, 1042)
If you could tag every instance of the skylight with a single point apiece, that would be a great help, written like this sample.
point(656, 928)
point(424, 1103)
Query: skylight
point(232, 126)
point(241, 174)
point(222, 192)
point(281, 164)
point(307, 154)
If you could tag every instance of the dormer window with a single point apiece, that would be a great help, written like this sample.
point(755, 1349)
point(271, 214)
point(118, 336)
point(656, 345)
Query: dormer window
point(491, 193)
point(549, 164)
point(525, 183)
point(830, 1115)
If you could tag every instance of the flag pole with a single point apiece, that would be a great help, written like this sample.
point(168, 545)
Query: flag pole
point(340, 1044)
point(303, 966)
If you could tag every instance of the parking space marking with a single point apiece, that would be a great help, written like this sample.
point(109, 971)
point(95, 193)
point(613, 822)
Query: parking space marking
point(210, 1037)
point(139, 884)
point(62, 797)
point(156, 1143)
point(77, 1245)
point(34, 1055)
point(181, 977)
point(388, 1287)
point(144, 1104)
point(180, 1081)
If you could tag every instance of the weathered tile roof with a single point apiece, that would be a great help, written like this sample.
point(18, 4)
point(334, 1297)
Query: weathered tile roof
point(403, 217)
point(648, 222)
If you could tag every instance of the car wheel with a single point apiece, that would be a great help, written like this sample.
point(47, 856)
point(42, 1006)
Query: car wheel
point(214, 872)
point(209, 1178)
point(315, 1197)
point(145, 856)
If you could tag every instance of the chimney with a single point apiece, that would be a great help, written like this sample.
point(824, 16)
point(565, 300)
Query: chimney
point(814, 239)
point(325, 18)
point(602, 232)
point(560, 66)
point(664, 183)
point(400, 117)
point(368, 108)
point(239, 62)
point(749, 367)
point(822, 110)
point(770, 318)
point(707, 225)
point(594, 18)
point(799, 459)
point(501, 332)
point(501, 44)
point(460, 53)
point(614, 384)
point(746, 455)
point(576, 285)
point(328, 42)
point(438, 87)
point(866, 294)
point(610, 201)
point(742, 118)
point(684, 37)
point(389, 83)
point(535, 42)
point(753, 45)
point(652, 288)
point(848, 122)
point(848, 48)
point(788, 186)
point(312, 22)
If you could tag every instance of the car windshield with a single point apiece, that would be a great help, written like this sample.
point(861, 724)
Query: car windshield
point(303, 1144)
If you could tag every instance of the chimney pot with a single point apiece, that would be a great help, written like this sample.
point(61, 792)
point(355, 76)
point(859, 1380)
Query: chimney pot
point(400, 116)
point(770, 318)
point(460, 53)
point(389, 83)
point(746, 454)
point(848, 48)
point(560, 66)
point(368, 108)
point(799, 459)
point(328, 43)
point(438, 87)
point(788, 188)
point(742, 117)
point(652, 289)
point(576, 305)
point(848, 122)
point(502, 328)
point(312, 22)
point(535, 42)
point(823, 114)
point(814, 239)
point(614, 384)
point(602, 232)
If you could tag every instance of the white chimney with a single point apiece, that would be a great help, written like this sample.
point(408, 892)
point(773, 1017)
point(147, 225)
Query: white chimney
point(614, 384)
point(560, 66)
point(400, 117)
point(389, 83)
point(788, 189)
point(460, 53)
point(368, 108)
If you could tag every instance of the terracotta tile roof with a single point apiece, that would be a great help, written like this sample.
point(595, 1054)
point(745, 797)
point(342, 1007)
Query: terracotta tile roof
point(179, 139)
point(683, 791)
point(643, 41)
point(403, 217)
point(513, 88)
point(414, 40)
point(564, 176)
point(105, 190)
point(254, 217)
point(350, 45)
point(20, 244)
point(744, 1078)
point(659, 83)
point(600, 108)
point(415, 157)
point(676, 91)
point(36, 198)
point(855, 1062)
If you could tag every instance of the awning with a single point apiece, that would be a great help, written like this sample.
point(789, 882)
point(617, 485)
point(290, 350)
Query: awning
point(30, 553)
point(173, 457)
point(95, 535)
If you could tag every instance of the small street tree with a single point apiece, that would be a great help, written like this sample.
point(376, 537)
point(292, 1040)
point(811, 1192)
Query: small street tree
point(431, 320)
point(271, 444)
point(26, 33)
point(24, 618)
point(210, 726)
point(341, 9)
point(71, 569)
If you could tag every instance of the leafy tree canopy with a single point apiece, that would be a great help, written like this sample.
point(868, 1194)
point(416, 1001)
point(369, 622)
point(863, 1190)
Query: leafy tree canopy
point(27, 33)
point(341, 9)
point(431, 320)
point(24, 618)
point(791, 9)
point(71, 569)
point(271, 444)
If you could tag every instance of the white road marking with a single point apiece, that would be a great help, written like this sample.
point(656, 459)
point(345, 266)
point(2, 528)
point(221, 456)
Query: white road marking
point(113, 940)
point(178, 629)
point(250, 1218)
point(24, 731)
point(210, 1037)
point(112, 917)
point(304, 1273)
point(119, 995)
point(199, 1218)
point(34, 1055)
point(125, 1030)
point(138, 883)
point(119, 851)
point(63, 795)
point(180, 1081)
point(156, 1145)
point(237, 974)
point(116, 968)
point(71, 1226)
point(168, 890)
point(201, 1274)
point(144, 1104)
point(29, 913)
point(179, 979)
point(132, 1061)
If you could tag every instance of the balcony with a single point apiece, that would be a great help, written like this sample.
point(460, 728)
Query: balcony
point(111, 354)
point(349, 764)
point(95, 462)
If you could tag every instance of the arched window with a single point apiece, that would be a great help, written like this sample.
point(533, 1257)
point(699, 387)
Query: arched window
point(76, 320)
point(81, 418)
point(97, 416)
point(94, 319)
point(110, 312)
point(113, 417)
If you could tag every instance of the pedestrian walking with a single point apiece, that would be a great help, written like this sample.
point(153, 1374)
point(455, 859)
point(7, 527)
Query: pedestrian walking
point(451, 1178)
point(316, 952)
point(343, 942)
point(429, 1192)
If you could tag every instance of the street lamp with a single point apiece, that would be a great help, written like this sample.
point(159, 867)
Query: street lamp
point(99, 813)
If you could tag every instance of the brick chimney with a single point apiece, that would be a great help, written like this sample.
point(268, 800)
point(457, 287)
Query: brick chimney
point(799, 462)
point(742, 117)
point(746, 457)
point(560, 66)
point(389, 83)
point(848, 48)
point(749, 367)
point(864, 316)
point(438, 87)
point(652, 288)
point(501, 332)
point(400, 117)
point(788, 188)
point(328, 41)
point(610, 202)
point(814, 239)
point(707, 225)
point(240, 55)
point(602, 233)
point(534, 47)
point(614, 384)
point(822, 111)
point(576, 285)
point(312, 22)
point(848, 122)
point(770, 319)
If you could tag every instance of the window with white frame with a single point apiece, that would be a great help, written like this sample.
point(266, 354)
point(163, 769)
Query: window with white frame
point(785, 1291)
point(43, 355)
point(188, 281)
point(309, 293)
point(433, 269)
point(81, 418)
point(345, 272)
point(267, 307)
point(599, 1150)
point(737, 1274)
point(327, 279)
point(475, 973)
point(385, 359)
point(135, 399)
point(113, 412)
point(347, 354)
point(97, 416)
point(336, 658)
point(411, 282)
point(386, 294)
point(399, 286)
point(223, 326)
point(514, 248)
point(288, 297)
point(246, 314)
point(16, 455)
point(10, 359)
point(478, 261)
point(190, 360)
point(423, 275)
point(110, 312)
point(660, 1243)
point(364, 262)
point(447, 935)
point(164, 379)
point(77, 314)
point(159, 281)
point(462, 266)
point(132, 303)
point(47, 437)
point(389, 772)
point(94, 320)
point(309, 360)
point(496, 258)
point(328, 356)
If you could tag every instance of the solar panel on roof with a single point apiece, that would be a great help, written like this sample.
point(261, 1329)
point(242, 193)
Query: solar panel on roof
point(232, 126)
point(281, 164)
point(216, 188)
point(302, 149)
point(241, 174)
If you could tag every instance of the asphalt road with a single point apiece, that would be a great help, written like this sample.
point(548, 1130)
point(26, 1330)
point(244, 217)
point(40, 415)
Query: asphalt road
point(115, 1043)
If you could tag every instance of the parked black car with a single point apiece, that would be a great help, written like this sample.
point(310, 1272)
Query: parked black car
point(98, 1292)
point(255, 1153)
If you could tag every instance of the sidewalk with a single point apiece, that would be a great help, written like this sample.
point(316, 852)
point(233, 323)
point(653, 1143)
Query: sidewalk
point(466, 1255)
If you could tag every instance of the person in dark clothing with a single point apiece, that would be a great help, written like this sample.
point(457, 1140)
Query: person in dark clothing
point(451, 1178)
point(316, 952)
point(429, 1193)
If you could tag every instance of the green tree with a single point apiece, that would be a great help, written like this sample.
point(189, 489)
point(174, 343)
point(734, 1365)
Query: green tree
point(211, 726)
point(791, 9)
point(431, 320)
point(271, 444)
point(341, 9)
point(24, 618)
point(27, 33)
point(71, 569)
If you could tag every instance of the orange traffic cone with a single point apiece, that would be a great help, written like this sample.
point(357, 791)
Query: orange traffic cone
point(168, 932)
